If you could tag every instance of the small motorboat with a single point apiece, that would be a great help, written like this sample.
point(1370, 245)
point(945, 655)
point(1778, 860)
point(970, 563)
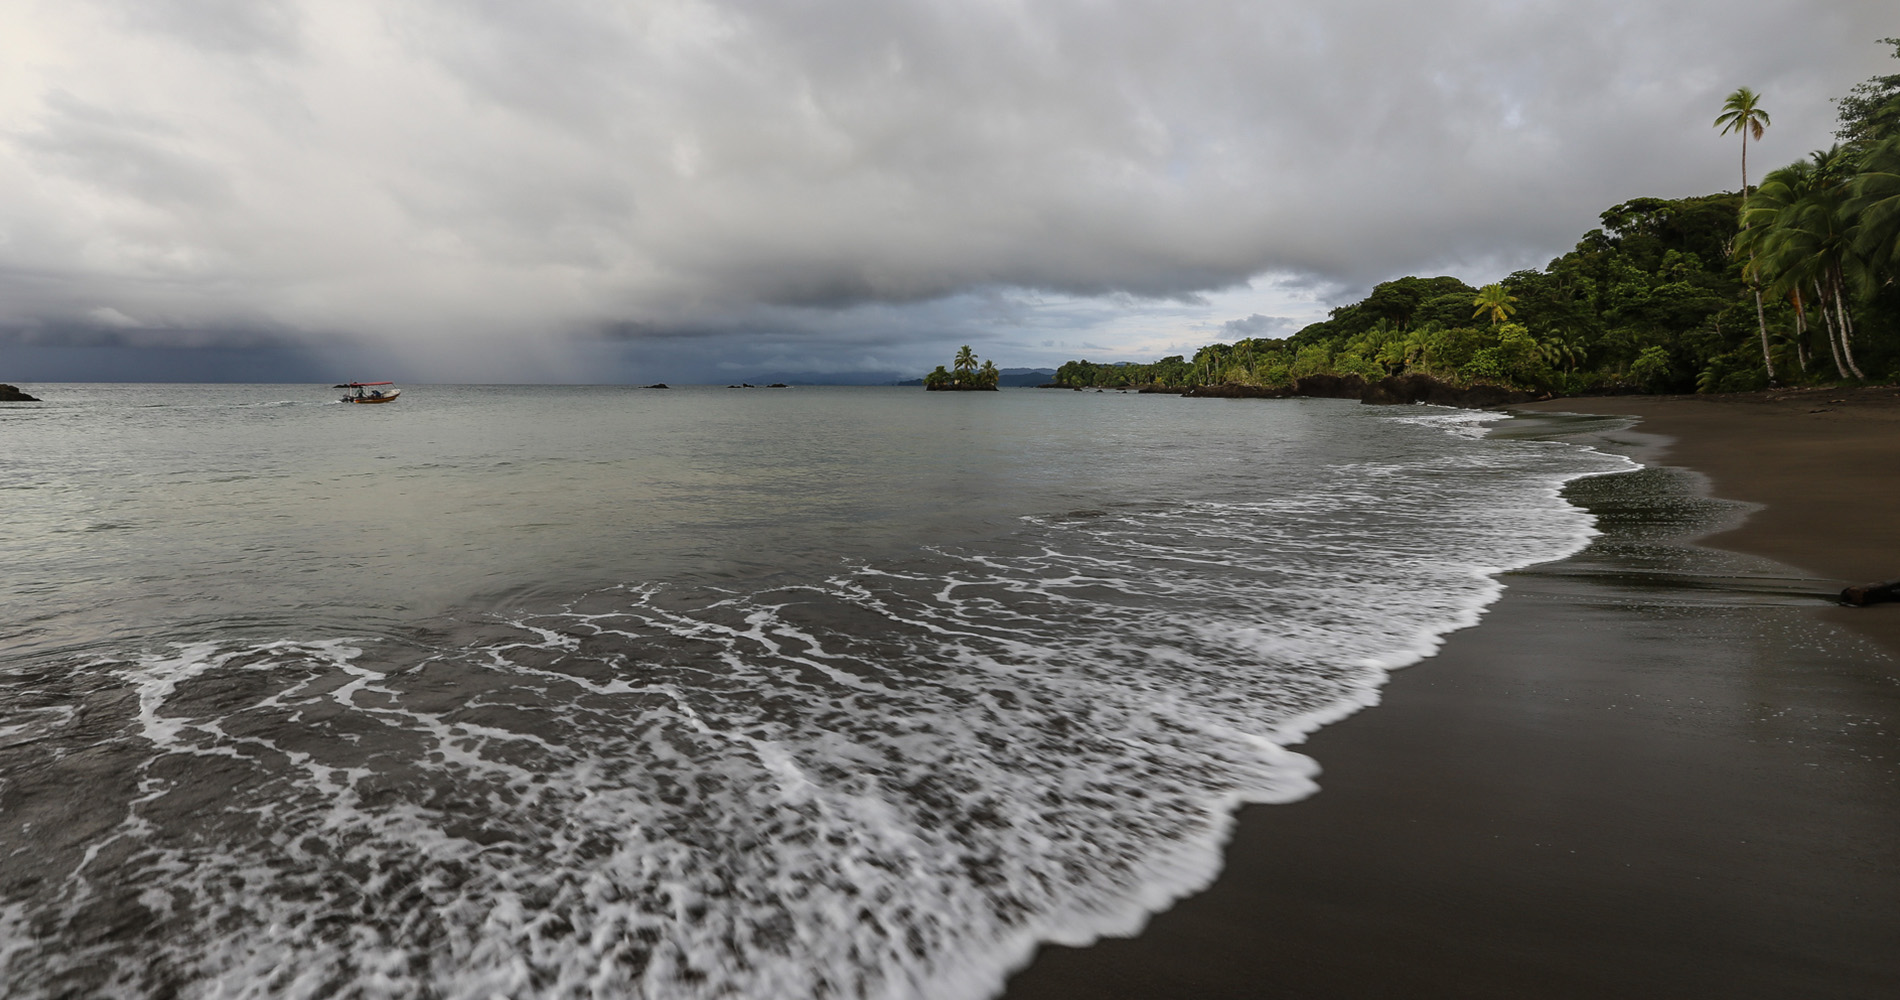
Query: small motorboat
point(369, 392)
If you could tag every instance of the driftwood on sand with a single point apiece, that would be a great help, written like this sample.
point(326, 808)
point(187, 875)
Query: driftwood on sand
point(1872, 593)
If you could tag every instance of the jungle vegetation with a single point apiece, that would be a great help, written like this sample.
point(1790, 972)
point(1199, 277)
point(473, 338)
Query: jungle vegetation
point(1795, 281)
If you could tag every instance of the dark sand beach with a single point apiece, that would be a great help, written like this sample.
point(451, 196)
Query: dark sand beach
point(1666, 767)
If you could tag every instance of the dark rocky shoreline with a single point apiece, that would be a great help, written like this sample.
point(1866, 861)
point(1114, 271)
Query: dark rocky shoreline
point(12, 394)
point(1393, 389)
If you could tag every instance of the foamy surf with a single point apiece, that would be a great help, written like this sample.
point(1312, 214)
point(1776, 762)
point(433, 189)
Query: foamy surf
point(890, 780)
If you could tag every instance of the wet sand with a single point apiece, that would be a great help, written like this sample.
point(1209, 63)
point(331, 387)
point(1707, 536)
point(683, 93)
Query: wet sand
point(1824, 462)
point(1655, 769)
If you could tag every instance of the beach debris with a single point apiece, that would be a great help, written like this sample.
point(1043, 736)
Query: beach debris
point(1872, 593)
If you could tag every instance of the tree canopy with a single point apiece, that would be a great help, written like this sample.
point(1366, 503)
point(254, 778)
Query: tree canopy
point(1870, 112)
point(1797, 280)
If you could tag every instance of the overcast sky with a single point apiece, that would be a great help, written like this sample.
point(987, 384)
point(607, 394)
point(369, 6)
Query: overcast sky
point(700, 190)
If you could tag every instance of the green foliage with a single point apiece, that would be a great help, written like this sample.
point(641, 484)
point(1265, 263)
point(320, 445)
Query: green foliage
point(1484, 366)
point(1651, 371)
point(1494, 301)
point(1736, 371)
point(1874, 204)
point(1870, 112)
point(1352, 363)
point(1313, 360)
point(1401, 304)
point(1397, 302)
point(1662, 297)
point(1577, 383)
point(1743, 113)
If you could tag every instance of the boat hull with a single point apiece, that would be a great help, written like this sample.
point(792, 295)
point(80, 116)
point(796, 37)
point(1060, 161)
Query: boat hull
point(388, 397)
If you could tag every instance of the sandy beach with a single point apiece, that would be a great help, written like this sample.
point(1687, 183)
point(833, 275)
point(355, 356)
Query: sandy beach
point(1824, 464)
point(1665, 767)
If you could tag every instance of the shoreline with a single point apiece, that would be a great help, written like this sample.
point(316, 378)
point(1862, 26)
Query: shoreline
point(1820, 462)
point(1656, 768)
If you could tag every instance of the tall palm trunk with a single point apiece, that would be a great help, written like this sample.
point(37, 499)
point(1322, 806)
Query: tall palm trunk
point(1754, 275)
point(1847, 325)
point(1800, 329)
point(1833, 347)
point(1761, 319)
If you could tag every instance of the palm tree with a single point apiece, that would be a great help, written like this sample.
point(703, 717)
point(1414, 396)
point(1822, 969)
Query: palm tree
point(1210, 360)
point(1776, 247)
point(1495, 300)
point(1562, 349)
point(1742, 112)
point(965, 363)
point(1798, 234)
point(1876, 207)
point(989, 375)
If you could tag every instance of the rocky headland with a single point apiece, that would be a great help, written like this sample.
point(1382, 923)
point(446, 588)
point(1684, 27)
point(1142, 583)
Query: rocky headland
point(1392, 389)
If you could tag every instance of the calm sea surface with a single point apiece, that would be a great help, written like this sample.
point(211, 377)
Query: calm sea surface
point(590, 691)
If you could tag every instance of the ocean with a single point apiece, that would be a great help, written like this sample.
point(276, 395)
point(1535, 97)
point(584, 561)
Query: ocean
point(587, 691)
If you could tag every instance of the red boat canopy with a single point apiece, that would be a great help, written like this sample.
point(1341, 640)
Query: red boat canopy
point(358, 385)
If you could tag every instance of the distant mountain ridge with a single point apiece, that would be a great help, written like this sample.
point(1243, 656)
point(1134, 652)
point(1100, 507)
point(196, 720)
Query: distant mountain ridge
point(822, 378)
point(1010, 377)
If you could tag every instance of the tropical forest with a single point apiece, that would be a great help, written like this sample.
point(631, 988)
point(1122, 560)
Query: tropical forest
point(1792, 280)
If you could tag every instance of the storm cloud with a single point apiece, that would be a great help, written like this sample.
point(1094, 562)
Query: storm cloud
point(672, 189)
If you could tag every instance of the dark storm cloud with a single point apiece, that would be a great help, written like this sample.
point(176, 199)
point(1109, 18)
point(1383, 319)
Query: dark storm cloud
point(842, 182)
point(140, 156)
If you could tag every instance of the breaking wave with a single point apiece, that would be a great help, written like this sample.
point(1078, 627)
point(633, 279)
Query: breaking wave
point(886, 779)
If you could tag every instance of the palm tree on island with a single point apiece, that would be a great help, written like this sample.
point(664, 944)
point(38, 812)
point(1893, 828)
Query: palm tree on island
point(966, 377)
point(1743, 113)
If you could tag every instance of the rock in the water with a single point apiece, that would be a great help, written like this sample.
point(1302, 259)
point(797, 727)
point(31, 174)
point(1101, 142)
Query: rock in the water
point(12, 394)
point(1228, 390)
point(1412, 388)
point(1330, 386)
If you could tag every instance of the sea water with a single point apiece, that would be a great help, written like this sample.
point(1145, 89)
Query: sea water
point(702, 692)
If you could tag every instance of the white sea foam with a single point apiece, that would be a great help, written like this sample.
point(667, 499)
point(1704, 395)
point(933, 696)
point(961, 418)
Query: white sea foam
point(892, 781)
